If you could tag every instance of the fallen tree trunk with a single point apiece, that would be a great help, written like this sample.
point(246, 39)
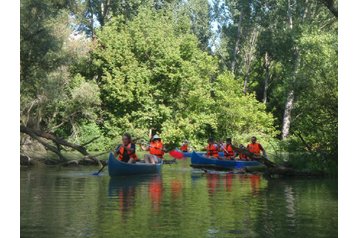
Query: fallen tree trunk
point(289, 172)
point(55, 139)
point(59, 142)
point(43, 142)
point(274, 169)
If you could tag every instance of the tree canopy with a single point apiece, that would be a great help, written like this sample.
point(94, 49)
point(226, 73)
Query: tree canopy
point(187, 69)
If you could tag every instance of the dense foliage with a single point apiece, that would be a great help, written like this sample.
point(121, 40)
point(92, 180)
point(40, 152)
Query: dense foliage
point(187, 69)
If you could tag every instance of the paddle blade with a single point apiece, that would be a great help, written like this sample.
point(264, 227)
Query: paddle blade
point(97, 173)
point(176, 154)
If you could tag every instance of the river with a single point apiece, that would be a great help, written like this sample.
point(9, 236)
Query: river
point(179, 202)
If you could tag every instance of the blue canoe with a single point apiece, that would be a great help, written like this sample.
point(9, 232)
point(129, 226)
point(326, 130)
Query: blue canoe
point(198, 160)
point(119, 168)
point(189, 154)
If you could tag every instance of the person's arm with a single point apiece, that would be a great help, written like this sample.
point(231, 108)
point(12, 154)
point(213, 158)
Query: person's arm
point(222, 148)
point(132, 149)
point(116, 150)
point(144, 147)
point(263, 150)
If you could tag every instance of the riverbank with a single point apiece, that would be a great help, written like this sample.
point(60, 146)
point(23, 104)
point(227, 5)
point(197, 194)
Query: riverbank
point(293, 167)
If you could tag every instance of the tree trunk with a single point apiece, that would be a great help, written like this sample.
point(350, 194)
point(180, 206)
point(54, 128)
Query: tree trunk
point(34, 135)
point(39, 135)
point(248, 57)
point(267, 76)
point(287, 114)
point(286, 122)
point(289, 15)
point(237, 44)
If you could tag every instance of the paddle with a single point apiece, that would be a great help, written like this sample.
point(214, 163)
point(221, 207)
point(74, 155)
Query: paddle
point(97, 173)
point(99, 170)
point(176, 154)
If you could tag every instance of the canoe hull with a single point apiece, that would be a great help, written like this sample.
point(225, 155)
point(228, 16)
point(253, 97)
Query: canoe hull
point(119, 168)
point(198, 160)
point(189, 154)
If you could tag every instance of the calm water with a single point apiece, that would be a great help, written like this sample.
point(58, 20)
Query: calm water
point(180, 202)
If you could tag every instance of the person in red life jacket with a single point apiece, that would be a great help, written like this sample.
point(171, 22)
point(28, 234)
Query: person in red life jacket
point(185, 146)
point(228, 149)
point(156, 150)
point(256, 148)
point(212, 150)
point(126, 151)
point(241, 155)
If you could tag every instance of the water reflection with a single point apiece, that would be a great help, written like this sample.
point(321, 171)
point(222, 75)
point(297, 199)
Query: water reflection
point(127, 188)
point(155, 190)
point(213, 183)
point(177, 203)
point(228, 182)
point(176, 187)
point(255, 184)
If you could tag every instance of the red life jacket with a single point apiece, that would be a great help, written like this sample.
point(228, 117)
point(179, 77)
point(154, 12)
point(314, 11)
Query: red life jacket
point(254, 148)
point(184, 148)
point(212, 150)
point(229, 153)
point(130, 153)
point(242, 156)
point(156, 148)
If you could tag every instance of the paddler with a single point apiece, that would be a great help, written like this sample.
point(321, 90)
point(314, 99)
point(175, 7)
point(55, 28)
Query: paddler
point(228, 149)
point(256, 148)
point(212, 150)
point(184, 146)
point(126, 150)
point(156, 150)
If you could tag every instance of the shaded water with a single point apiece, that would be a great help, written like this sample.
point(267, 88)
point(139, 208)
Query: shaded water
point(180, 202)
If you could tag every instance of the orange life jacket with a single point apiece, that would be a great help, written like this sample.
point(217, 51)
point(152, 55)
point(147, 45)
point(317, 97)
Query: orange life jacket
point(156, 148)
point(229, 153)
point(254, 148)
point(212, 150)
point(130, 153)
point(184, 148)
point(242, 156)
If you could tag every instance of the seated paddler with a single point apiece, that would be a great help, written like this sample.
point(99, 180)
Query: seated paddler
point(156, 150)
point(228, 149)
point(185, 146)
point(212, 150)
point(256, 148)
point(126, 150)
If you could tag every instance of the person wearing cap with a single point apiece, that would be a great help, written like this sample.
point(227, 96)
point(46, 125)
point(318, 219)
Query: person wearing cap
point(184, 147)
point(156, 150)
